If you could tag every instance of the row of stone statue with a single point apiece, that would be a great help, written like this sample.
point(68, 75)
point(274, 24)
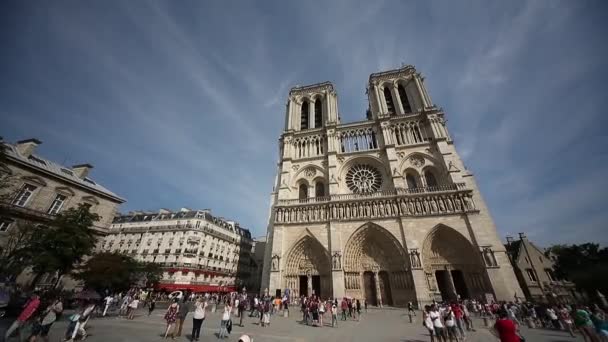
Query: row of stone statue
point(398, 280)
point(418, 206)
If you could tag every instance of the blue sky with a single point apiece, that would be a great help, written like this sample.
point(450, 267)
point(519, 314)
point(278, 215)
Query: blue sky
point(181, 103)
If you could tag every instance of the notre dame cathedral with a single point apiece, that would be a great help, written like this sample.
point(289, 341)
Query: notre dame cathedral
point(380, 209)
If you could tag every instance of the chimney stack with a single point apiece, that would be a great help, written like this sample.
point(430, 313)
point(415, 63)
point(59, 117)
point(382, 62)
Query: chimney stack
point(27, 147)
point(82, 170)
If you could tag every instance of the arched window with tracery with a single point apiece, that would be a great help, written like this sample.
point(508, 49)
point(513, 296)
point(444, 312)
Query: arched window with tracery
point(304, 115)
point(303, 193)
point(403, 97)
point(318, 114)
point(390, 107)
point(411, 181)
point(431, 181)
point(319, 189)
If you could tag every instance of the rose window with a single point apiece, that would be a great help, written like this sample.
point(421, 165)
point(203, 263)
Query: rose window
point(363, 179)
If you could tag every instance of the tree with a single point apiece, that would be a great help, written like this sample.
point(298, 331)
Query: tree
point(14, 253)
point(64, 244)
point(586, 265)
point(117, 272)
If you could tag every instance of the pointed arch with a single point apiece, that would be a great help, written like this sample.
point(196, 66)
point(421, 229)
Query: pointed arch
point(403, 97)
point(388, 97)
point(372, 246)
point(304, 115)
point(444, 245)
point(307, 255)
point(318, 113)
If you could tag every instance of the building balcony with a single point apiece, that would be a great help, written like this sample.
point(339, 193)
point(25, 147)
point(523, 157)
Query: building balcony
point(24, 213)
point(431, 201)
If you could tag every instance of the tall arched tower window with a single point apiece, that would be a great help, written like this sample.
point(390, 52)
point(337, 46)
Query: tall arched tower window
point(318, 114)
point(304, 115)
point(389, 101)
point(319, 189)
point(430, 178)
point(403, 97)
point(411, 181)
point(303, 193)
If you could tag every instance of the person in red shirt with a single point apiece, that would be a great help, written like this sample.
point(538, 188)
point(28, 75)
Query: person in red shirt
point(506, 328)
point(459, 316)
point(28, 310)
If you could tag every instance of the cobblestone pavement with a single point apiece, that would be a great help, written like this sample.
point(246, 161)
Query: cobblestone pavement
point(376, 325)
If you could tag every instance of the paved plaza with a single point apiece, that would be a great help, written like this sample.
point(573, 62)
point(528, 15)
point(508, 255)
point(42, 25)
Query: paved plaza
point(376, 325)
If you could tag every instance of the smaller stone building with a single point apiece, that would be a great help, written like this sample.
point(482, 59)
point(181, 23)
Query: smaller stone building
point(35, 189)
point(535, 273)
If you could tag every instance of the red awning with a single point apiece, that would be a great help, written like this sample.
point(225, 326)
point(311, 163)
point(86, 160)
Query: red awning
point(195, 287)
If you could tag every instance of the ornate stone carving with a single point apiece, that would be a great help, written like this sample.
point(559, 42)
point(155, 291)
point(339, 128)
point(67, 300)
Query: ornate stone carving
point(401, 155)
point(310, 171)
point(417, 161)
point(363, 178)
point(341, 160)
point(295, 167)
point(452, 167)
point(324, 164)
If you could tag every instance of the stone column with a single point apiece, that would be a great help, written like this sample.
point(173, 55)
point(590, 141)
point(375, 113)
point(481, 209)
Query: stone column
point(397, 100)
point(381, 103)
point(451, 286)
point(420, 93)
point(378, 293)
point(309, 283)
point(311, 114)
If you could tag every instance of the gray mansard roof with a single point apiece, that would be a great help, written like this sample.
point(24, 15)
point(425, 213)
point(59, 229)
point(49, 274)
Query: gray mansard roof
point(64, 173)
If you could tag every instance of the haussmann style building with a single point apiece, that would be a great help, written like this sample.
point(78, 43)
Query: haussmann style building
point(37, 189)
point(198, 251)
point(381, 209)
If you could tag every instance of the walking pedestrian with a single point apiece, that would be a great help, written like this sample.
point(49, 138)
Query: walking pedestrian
point(108, 301)
point(132, 307)
point(184, 308)
point(410, 309)
point(582, 320)
point(344, 307)
point(200, 308)
point(334, 315)
point(505, 328)
point(151, 306)
point(224, 323)
point(358, 305)
point(365, 304)
point(171, 318)
point(428, 322)
point(435, 316)
point(241, 311)
point(28, 310)
point(49, 317)
point(321, 312)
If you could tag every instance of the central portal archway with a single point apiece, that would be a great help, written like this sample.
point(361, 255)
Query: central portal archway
point(452, 266)
point(307, 269)
point(376, 268)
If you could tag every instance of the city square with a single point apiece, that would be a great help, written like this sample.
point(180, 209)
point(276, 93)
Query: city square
point(375, 325)
point(389, 171)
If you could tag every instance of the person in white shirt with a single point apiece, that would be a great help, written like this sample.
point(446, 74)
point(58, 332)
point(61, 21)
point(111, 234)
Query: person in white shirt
point(225, 319)
point(450, 324)
point(199, 316)
point(428, 322)
point(435, 316)
point(108, 300)
point(132, 307)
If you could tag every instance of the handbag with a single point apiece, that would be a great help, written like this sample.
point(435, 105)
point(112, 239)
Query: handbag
point(229, 326)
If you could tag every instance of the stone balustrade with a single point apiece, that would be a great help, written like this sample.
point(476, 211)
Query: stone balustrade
point(385, 204)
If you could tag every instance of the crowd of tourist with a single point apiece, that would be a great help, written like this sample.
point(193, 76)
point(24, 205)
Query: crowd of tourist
point(443, 321)
point(452, 321)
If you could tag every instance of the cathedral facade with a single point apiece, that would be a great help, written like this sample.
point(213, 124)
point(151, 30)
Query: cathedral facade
point(381, 209)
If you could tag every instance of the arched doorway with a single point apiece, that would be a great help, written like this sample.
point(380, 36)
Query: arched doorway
point(376, 268)
point(307, 269)
point(452, 266)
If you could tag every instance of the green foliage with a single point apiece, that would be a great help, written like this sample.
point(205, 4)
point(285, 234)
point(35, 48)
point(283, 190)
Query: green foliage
point(117, 272)
point(65, 243)
point(586, 265)
point(15, 253)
